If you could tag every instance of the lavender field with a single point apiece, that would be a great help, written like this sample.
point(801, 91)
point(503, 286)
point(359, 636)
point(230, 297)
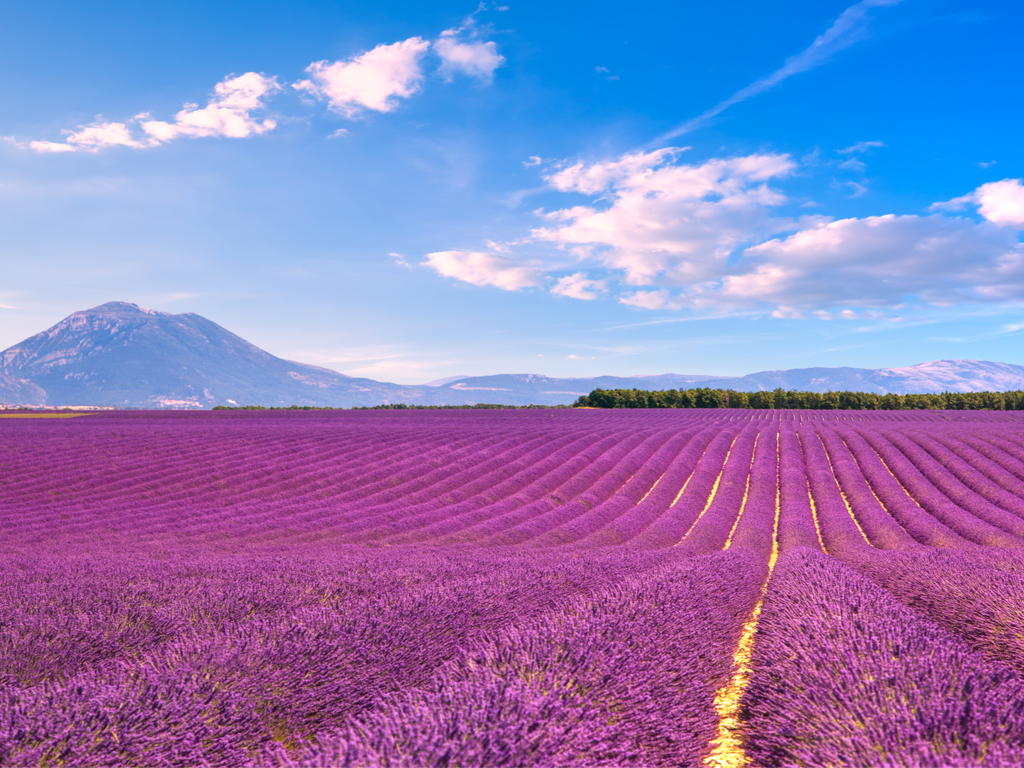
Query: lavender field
point(512, 588)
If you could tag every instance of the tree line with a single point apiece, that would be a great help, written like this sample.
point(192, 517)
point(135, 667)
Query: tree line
point(704, 397)
point(385, 407)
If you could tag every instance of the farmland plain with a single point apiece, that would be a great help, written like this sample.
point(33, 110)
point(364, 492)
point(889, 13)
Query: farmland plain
point(565, 587)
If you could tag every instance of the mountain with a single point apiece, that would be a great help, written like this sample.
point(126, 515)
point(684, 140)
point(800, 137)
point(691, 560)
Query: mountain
point(14, 390)
point(121, 355)
point(938, 376)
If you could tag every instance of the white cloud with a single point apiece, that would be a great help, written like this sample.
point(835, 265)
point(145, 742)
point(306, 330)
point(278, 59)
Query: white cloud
point(707, 231)
point(877, 261)
point(1001, 202)
point(227, 113)
point(853, 164)
point(473, 58)
point(484, 269)
point(91, 138)
point(706, 236)
point(51, 146)
point(668, 222)
point(649, 300)
point(579, 286)
point(374, 80)
point(861, 147)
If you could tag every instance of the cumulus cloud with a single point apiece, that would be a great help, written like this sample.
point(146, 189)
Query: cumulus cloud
point(579, 286)
point(1001, 202)
point(228, 113)
point(484, 269)
point(472, 58)
point(878, 261)
point(90, 138)
point(375, 80)
point(663, 221)
point(710, 236)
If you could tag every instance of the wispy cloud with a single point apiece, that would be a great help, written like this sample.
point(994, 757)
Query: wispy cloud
point(851, 27)
point(861, 147)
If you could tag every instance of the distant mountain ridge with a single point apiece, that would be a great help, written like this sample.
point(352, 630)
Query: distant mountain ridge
point(119, 354)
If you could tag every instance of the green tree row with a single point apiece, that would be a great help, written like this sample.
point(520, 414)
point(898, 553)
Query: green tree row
point(793, 399)
point(388, 407)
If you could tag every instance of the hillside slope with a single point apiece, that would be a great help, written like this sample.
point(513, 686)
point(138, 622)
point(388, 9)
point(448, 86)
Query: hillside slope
point(122, 355)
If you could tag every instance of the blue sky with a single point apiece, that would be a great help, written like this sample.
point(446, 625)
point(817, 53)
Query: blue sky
point(410, 191)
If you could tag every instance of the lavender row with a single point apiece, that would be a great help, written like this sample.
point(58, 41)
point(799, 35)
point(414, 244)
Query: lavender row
point(840, 530)
point(798, 523)
point(626, 678)
point(843, 674)
point(658, 499)
point(451, 486)
point(641, 472)
point(956, 492)
point(537, 488)
point(915, 520)
point(931, 499)
point(711, 530)
point(670, 528)
point(975, 474)
point(579, 474)
point(593, 485)
point(638, 461)
point(976, 595)
point(755, 529)
point(213, 663)
point(881, 529)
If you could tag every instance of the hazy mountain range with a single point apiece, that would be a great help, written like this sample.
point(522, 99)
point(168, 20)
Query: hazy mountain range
point(121, 355)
